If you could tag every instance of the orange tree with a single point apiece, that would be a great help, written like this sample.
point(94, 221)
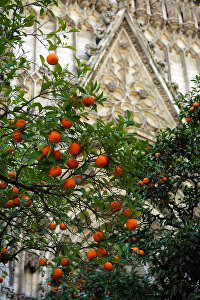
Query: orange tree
point(61, 178)
point(166, 244)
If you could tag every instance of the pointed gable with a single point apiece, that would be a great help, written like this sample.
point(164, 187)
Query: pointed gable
point(130, 80)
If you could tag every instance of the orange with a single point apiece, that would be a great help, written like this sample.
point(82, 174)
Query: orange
point(9, 204)
point(4, 251)
point(14, 191)
point(101, 252)
point(75, 149)
point(42, 275)
point(188, 120)
point(157, 154)
point(101, 161)
point(108, 266)
point(141, 183)
point(69, 184)
point(54, 137)
point(12, 122)
point(116, 258)
point(64, 261)
point(39, 157)
point(29, 202)
point(2, 185)
point(115, 206)
point(91, 254)
point(118, 172)
point(72, 163)
point(135, 250)
point(146, 180)
point(196, 105)
point(55, 172)
point(1, 279)
point(11, 175)
point(42, 262)
point(141, 252)
point(66, 124)
point(131, 224)
point(21, 124)
point(57, 155)
point(52, 59)
point(192, 108)
point(127, 212)
point(17, 137)
point(63, 226)
point(135, 239)
point(78, 179)
point(98, 236)
point(48, 149)
point(52, 226)
point(109, 293)
point(164, 179)
point(16, 201)
point(88, 101)
point(57, 273)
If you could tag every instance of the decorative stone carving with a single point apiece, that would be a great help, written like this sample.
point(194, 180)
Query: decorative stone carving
point(100, 32)
point(92, 49)
point(157, 21)
point(111, 86)
point(108, 17)
point(143, 94)
point(189, 29)
point(156, 6)
point(186, 12)
point(31, 261)
point(172, 9)
point(173, 25)
point(141, 4)
point(102, 6)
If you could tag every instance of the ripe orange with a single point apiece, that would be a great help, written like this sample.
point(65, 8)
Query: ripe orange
point(141, 252)
point(12, 122)
point(164, 179)
point(52, 226)
point(109, 293)
point(141, 183)
point(118, 172)
point(2, 185)
point(14, 191)
point(75, 149)
point(66, 124)
point(196, 105)
point(192, 108)
point(63, 226)
point(11, 175)
point(88, 101)
point(101, 161)
point(127, 212)
point(57, 273)
point(29, 202)
point(135, 250)
point(4, 251)
point(54, 137)
point(52, 59)
point(21, 124)
point(64, 261)
point(101, 252)
point(42, 262)
point(55, 172)
point(72, 163)
point(42, 275)
point(78, 179)
point(108, 266)
point(16, 201)
point(17, 137)
point(1, 279)
point(188, 120)
point(39, 157)
point(116, 258)
point(69, 184)
point(98, 236)
point(146, 180)
point(57, 155)
point(48, 149)
point(131, 224)
point(157, 154)
point(134, 239)
point(115, 206)
point(9, 204)
point(91, 254)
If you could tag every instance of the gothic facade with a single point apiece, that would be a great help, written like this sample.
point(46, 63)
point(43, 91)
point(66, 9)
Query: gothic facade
point(143, 52)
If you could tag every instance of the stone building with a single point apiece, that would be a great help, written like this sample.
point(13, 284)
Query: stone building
point(143, 52)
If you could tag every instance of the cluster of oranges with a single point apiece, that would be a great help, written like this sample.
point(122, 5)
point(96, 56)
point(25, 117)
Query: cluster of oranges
point(4, 255)
point(146, 181)
point(62, 226)
point(195, 105)
point(20, 125)
point(16, 201)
